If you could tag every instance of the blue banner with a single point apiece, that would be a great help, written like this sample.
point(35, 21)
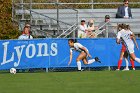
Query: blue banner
point(45, 53)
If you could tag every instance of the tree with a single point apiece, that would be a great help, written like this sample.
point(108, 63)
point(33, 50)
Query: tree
point(8, 30)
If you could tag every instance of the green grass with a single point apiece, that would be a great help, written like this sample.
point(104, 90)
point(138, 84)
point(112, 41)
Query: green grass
point(71, 82)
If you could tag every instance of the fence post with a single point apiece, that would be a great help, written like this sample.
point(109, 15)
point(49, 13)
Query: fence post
point(57, 16)
point(30, 12)
point(47, 70)
point(92, 7)
point(107, 30)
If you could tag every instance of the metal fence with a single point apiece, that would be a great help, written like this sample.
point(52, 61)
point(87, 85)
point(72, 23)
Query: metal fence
point(39, 19)
point(55, 22)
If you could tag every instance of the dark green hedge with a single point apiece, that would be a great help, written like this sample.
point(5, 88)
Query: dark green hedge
point(8, 30)
point(81, 1)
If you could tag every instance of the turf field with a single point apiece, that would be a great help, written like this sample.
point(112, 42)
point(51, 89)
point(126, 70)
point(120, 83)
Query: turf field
point(71, 82)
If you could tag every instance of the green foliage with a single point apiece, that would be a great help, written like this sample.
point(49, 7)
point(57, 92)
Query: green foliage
point(83, 6)
point(8, 30)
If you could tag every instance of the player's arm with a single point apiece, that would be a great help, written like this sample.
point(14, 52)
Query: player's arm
point(118, 38)
point(117, 41)
point(134, 39)
point(70, 58)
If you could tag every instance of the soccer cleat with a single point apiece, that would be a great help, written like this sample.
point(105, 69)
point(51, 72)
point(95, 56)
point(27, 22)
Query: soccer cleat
point(97, 59)
point(81, 70)
point(117, 69)
point(133, 68)
point(125, 69)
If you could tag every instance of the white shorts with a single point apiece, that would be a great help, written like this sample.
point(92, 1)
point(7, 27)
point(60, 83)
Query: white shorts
point(130, 48)
point(85, 52)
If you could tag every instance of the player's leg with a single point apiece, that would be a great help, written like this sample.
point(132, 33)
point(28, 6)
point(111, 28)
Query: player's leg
point(81, 56)
point(132, 54)
point(120, 60)
point(127, 64)
point(87, 62)
point(121, 56)
point(126, 61)
point(132, 63)
point(134, 57)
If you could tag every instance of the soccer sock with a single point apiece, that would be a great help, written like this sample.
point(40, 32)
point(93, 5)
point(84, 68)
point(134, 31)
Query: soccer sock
point(119, 64)
point(126, 63)
point(91, 61)
point(79, 65)
point(138, 60)
point(132, 63)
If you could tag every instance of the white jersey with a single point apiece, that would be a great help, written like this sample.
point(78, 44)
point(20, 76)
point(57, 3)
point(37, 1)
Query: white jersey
point(77, 47)
point(126, 37)
point(24, 36)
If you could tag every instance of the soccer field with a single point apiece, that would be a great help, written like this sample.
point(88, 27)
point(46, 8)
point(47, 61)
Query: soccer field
point(71, 82)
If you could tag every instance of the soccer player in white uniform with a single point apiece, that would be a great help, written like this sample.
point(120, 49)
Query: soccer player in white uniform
point(126, 36)
point(83, 54)
point(124, 53)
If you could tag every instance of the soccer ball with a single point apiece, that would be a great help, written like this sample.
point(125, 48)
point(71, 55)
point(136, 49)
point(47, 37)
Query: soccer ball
point(13, 71)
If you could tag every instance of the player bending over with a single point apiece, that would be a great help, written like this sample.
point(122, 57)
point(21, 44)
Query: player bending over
point(83, 54)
